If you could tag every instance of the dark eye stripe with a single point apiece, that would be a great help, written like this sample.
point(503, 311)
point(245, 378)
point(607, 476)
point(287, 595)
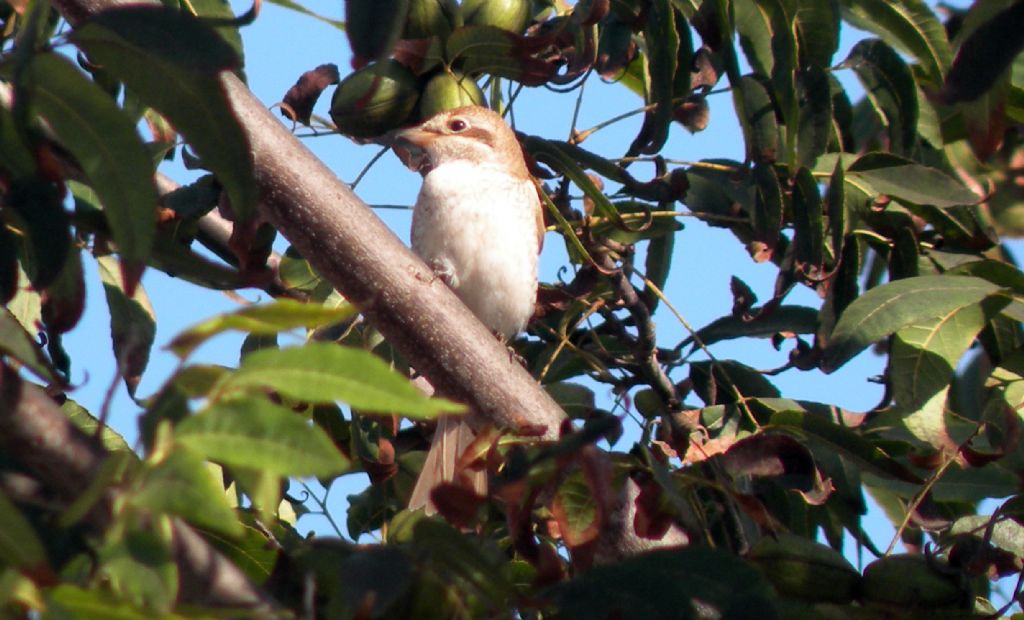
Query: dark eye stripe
point(480, 134)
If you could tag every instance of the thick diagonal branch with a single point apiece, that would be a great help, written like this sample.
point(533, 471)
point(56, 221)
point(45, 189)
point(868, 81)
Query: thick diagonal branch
point(371, 267)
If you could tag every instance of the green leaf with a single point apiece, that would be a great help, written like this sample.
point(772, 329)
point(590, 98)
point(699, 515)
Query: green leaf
point(766, 218)
point(256, 433)
point(182, 485)
point(105, 144)
point(760, 119)
point(1005, 534)
point(87, 423)
point(890, 88)
point(793, 319)
point(218, 14)
point(68, 601)
point(298, 8)
point(255, 552)
point(907, 180)
point(729, 381)
point(489, 49)
point(808, 223)
point(325, 372)
point(137, 564)
point(815, 129)
point(559, 158)
point(577, 511)
point(783, 78)
point(576, 400)
point(17, 343)
point(924, 356)
point(662, 49)
point(846, 441)
point(20, 546)
point(265, 319)
point(132, 323)
point(817, 27)
point(835, 208)
point(8, 264)
point(172, 62)
point(64, 300)
point(657, 263)
point(456, 556)
point(667, 584)
point(34, 204)
point(753, 27)
point(890, 307)
point(910, 25)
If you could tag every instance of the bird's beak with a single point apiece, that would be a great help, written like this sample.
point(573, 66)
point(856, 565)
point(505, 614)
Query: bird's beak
point(409, 144)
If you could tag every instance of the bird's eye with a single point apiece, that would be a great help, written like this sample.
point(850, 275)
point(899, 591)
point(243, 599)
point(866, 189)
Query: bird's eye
point(457, 124)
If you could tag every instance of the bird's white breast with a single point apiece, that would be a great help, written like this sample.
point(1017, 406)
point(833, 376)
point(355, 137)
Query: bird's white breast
point(479, 223)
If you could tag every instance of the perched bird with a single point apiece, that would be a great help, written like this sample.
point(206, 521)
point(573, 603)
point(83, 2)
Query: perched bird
point(478, 224)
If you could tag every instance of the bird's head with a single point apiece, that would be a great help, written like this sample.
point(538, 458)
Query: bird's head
point(471, 133)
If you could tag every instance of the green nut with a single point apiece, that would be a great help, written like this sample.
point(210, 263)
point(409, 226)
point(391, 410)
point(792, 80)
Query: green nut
point(432, 18)
point(447, 91)
point(374, 100)
point(511, 15)
point(909, 580)
point(805, 570)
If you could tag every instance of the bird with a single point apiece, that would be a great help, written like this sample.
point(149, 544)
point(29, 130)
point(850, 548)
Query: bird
point(478, 224)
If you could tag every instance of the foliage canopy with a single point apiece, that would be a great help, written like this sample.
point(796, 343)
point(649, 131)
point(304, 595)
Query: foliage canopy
point(892, 208)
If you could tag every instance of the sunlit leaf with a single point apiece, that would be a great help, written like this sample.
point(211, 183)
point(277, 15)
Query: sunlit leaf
point(326, 372)
point(924, 356)
point(181, 485)
point(71, 601)
point(254, 432)
point(280, 315)
point(890, 307)
point(15, 342)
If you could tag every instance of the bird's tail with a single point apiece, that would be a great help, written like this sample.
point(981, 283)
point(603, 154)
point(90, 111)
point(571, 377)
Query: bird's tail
point(451, 440)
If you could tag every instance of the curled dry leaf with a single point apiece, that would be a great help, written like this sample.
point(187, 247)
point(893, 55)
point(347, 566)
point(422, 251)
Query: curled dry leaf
point(299, 100)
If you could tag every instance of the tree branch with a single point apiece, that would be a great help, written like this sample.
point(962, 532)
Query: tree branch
point(40, 437)
point(372, 268)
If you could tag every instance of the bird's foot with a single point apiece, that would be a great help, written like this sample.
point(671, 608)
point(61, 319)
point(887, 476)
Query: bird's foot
point(444, 271)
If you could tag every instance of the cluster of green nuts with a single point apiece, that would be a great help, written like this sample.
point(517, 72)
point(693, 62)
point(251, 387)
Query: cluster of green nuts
point(811, 574)
point(386, 94)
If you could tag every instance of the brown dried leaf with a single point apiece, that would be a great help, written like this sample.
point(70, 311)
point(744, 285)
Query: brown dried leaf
point(300, 98)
